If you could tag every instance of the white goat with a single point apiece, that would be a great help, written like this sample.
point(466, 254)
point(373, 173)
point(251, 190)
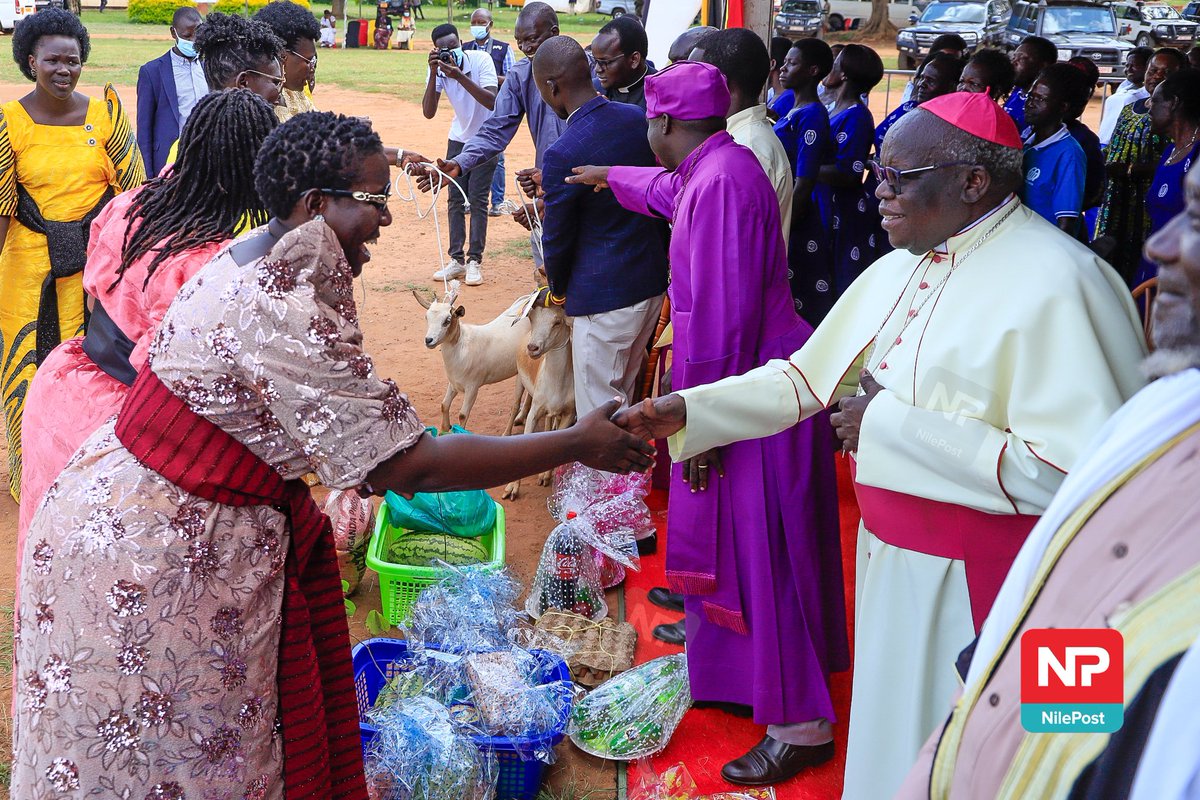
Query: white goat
point(474, 355)
point(544, 369)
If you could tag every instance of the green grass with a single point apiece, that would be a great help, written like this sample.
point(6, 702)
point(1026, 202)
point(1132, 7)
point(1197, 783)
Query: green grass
point(120, 47)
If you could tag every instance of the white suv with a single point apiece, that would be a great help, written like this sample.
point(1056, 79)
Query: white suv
point(615, 8)
point(1151, 25)
point(13, 11)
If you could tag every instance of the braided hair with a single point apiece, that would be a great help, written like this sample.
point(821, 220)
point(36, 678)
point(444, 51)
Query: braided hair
point(209, 193)
point(228, 45)
point(317, 150)
point(49, 21)
point(290, 21)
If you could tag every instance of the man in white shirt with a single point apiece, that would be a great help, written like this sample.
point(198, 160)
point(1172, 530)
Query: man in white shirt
point(469, 79)
point(1129, 91)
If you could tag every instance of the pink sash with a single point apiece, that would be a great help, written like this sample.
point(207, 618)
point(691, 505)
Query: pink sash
point(988, 543)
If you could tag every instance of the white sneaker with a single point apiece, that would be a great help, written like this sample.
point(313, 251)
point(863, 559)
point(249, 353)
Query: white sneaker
point(453, 270)
point(474, 273)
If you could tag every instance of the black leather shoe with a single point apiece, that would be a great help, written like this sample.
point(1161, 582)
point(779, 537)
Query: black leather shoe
point(771, 761)
point(649, 545)
point(736, 709)
point(674, 633)
point(665, 598)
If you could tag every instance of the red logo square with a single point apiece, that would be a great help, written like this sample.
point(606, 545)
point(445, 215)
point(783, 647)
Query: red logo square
point(1072, 665)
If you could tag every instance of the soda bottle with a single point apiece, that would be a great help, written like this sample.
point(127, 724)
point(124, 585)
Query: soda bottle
point(562, 582)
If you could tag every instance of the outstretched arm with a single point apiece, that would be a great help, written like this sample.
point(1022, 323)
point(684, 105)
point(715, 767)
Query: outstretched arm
point(452, 463)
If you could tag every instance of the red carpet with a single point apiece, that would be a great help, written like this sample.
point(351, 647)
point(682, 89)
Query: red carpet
point(707, 739)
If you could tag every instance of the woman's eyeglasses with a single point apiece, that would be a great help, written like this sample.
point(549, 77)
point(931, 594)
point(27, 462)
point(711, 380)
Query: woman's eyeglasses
point(312, 62)
point(892, 176)
point(275, 79)
point(379, 201)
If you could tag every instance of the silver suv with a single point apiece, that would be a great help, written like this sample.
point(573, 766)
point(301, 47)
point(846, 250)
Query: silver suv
point(614, 8)
point(1154, 25)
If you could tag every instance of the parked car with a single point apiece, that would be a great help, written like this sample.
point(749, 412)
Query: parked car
point(980, 23)
point(13, 11)
point(1154, 25)
point(796, 19)
point(614, 8)
point(1191, 12)
point(1078, 27)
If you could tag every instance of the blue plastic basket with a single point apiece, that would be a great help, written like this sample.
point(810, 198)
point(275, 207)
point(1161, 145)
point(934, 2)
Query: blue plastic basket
point(375, 663)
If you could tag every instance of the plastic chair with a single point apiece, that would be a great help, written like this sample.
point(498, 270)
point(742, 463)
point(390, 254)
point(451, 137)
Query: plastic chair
point(1143, 298)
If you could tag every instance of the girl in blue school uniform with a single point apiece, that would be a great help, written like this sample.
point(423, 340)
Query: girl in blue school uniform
point(806, 136)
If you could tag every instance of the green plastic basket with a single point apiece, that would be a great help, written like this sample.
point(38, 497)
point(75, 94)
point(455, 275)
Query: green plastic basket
point(399, 584)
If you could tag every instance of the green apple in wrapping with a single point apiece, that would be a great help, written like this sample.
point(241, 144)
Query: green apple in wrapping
point(634, 714)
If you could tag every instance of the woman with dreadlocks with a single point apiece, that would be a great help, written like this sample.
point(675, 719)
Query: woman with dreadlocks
point(145, 245)
point(209, 654)
point(63, 155)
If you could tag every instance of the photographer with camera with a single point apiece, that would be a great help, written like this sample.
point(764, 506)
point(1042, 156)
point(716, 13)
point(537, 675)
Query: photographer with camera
point(469, 79)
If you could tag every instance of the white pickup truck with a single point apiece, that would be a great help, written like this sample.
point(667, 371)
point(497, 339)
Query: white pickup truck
point(13, 11)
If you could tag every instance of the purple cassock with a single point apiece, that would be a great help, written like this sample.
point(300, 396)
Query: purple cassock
point(758, 554)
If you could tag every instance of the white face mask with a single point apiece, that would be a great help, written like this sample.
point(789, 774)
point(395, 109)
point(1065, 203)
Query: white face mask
point(479, 32)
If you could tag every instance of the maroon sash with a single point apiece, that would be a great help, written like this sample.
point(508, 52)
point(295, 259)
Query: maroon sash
point(322, 755)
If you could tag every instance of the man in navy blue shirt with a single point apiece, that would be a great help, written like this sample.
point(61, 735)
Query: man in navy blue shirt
point(504, 59)
point(608, 265)
point(1033, 56)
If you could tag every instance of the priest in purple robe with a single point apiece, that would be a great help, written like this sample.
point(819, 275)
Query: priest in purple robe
point(753, 540)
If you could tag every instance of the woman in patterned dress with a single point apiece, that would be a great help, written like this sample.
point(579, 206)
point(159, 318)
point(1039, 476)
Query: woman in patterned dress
point(180, 631)
point(1131, 158)
point(45, 209)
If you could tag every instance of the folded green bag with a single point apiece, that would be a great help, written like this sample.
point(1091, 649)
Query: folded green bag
point(467, 514)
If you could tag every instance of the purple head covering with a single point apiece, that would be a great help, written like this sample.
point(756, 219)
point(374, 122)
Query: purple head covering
point(687, 90)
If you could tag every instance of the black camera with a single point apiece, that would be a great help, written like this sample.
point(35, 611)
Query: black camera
point(446, 54)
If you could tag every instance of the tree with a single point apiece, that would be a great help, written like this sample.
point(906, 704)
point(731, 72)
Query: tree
point(339, 8)
point(878, 24)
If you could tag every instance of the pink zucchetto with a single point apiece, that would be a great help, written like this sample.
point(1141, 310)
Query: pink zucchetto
point(977, 114)
point(687, 90)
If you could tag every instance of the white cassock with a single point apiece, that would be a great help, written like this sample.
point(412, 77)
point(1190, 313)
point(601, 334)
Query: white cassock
point(999, 363)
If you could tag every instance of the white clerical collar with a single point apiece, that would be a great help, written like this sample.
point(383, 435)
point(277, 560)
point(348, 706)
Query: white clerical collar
point(625, 89)
point(944, 247)
point(1061, 134)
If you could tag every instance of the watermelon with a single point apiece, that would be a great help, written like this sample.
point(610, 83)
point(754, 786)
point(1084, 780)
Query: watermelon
point(425, 549)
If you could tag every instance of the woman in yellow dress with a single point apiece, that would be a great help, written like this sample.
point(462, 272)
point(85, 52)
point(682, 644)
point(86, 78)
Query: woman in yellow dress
point(63, 155)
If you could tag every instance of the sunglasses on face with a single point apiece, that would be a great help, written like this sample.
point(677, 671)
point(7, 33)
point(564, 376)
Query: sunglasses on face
point(312, 62)
point(277, 80)
point(893, 177)
point(379, 201)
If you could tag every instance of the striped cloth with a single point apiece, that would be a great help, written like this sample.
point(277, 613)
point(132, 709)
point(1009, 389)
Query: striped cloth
point(322, 756)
